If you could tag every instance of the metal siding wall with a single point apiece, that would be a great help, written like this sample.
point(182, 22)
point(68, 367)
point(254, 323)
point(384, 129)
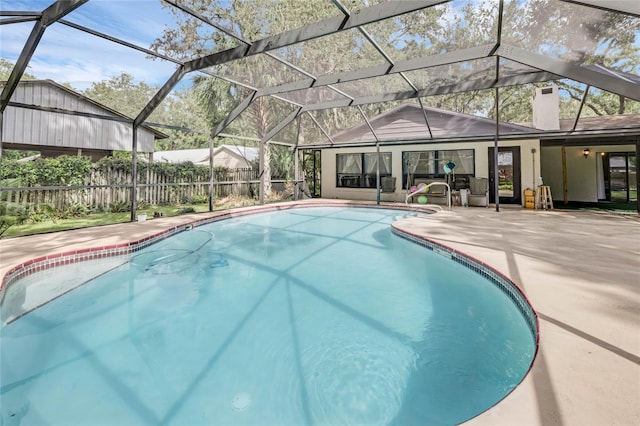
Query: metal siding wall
point(34, 127)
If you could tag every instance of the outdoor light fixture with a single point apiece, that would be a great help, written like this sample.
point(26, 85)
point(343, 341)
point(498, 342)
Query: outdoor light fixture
point(586, 152)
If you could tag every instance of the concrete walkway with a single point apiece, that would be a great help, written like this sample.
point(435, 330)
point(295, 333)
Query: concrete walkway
point(580, 270)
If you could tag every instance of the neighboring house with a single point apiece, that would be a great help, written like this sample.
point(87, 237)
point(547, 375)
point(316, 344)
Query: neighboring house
point(39, 118)
point(545, 151)
point(229, 156)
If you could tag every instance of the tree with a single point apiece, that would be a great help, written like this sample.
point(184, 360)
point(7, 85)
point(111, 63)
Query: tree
point(579, 34)
point(259, 18)
point(5, 71)
point(122, 94)
point(180, 109)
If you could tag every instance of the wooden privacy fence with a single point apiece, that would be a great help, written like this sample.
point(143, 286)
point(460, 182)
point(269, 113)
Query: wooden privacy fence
point(110, 189)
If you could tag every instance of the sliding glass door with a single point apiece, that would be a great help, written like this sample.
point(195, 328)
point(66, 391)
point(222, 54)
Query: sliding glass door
point(620, 169)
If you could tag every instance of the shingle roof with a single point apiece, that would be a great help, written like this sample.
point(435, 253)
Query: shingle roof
point(406, 122)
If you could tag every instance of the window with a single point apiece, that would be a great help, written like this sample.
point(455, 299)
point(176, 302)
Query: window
point(359, 170)
point(431, 165)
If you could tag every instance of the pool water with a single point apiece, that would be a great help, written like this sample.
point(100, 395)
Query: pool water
point(304, 316)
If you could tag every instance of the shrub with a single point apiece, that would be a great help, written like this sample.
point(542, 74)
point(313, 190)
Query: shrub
point(119, 207)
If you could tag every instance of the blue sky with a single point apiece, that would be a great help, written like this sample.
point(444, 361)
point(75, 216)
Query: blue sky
point(68, 55)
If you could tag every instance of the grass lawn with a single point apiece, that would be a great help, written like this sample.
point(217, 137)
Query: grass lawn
point(97, 219)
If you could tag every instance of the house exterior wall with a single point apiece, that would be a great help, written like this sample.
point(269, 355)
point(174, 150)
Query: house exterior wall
point(582, 173)
point(33, 127)
point(481, 157)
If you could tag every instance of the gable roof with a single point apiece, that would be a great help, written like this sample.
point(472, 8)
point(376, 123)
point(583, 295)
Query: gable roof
point(406, 122)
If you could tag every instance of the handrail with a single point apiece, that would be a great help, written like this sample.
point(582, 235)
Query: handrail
point(424, 188)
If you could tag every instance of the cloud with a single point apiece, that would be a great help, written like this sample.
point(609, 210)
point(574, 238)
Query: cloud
point(75, 57)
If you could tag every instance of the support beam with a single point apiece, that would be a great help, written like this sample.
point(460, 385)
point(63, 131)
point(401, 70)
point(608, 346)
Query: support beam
point(239, 109)
point(565, 177)
point(584, 98)
point(288, 119)
point(20, 13)
point(463, 55)
point(70, 112)
point(608, 82)
point(119, 41)
point(496, 178)
point(134, 171)
point(211, 173)
point(50, 15)
point(366, 120)
point(464, 86)
point(629, 7)
point(1, 140)
point(266, 139)
point(637, 174)
point(18, 20)
point(324, 132)
point(426, 119)
point(322, 28)
point(159, 96)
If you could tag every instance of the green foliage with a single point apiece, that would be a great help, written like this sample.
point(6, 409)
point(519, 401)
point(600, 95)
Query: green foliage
point(186, 210)
point(11, 214)
point(116, 163)
point(119, 207)
point(122, 94)
point(200, 199)
point(76, 210)
point(5, 71)
point(40, 213)
point(58, 171)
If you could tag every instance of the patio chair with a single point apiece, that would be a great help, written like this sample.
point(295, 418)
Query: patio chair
point(478, 192)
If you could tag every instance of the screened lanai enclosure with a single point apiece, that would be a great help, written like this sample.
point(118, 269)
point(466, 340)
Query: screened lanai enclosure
point(317, 80)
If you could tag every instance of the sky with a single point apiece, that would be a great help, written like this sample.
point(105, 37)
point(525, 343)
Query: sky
point(68, 55)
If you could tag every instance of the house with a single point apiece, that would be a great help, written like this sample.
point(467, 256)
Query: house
point(53, 119)
point(228, 156)
point(580, 164)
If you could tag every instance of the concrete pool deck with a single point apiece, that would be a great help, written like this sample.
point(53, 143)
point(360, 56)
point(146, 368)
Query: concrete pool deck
point(579, 269)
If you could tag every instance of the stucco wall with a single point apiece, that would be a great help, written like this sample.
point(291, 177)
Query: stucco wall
point(329, 189)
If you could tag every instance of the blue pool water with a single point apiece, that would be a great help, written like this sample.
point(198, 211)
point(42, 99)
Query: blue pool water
point(305, 316)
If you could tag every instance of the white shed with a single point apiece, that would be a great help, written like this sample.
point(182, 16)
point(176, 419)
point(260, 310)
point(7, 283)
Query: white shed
point(54, 129)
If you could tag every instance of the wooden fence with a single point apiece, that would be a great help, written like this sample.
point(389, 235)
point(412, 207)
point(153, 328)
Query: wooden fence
point(111, 189)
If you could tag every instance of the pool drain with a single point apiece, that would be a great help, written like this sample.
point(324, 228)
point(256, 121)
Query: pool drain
point(241, 401)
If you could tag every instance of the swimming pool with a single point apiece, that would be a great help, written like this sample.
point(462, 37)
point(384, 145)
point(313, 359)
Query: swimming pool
point(304, 316)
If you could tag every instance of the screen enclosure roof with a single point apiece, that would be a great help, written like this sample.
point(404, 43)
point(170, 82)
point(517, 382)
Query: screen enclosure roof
point(301, 72)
